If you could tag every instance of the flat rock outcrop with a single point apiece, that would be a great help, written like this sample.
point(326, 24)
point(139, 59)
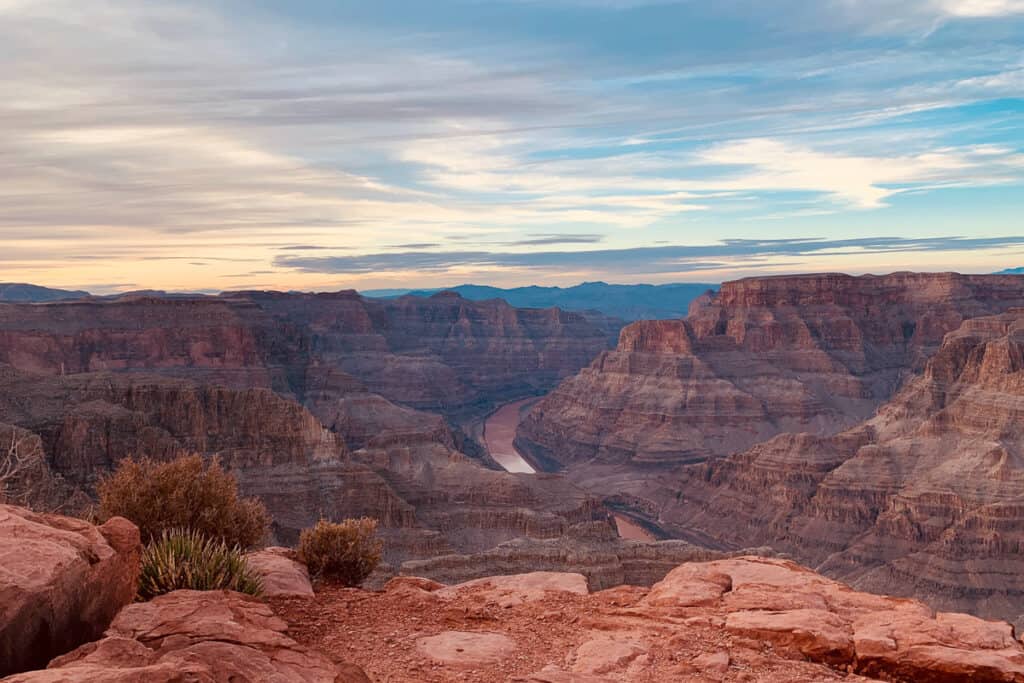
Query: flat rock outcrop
point(738, 619)
point(215, 636)
point(762, 356)
point(923, 499)
point(466, 649)
point(62, 580)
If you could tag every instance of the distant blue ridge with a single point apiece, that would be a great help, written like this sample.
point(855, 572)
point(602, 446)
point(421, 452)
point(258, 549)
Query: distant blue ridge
point(628, 302)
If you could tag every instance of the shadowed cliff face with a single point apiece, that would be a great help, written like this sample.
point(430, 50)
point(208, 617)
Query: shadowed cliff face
point(379, 459)
point(764, 356)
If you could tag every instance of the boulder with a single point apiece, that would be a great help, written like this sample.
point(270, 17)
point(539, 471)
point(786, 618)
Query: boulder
point(280, 573)
point(215, 636)
point(819, 635)
point(62, 580)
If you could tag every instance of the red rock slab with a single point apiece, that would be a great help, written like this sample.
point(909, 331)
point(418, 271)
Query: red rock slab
point(62, 580)
point(518, 588)
point(215, 637)
point(465, 648)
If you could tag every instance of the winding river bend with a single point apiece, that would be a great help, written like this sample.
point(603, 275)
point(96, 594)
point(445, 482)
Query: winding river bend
point(499, 435)
point(500, 432)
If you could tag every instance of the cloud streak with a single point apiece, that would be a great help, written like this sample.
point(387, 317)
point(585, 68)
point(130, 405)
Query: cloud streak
point(657, 259)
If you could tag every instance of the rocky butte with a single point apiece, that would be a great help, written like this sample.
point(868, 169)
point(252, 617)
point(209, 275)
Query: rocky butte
point(867, 425)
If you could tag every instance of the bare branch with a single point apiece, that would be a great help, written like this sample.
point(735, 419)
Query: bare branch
point(17, 463)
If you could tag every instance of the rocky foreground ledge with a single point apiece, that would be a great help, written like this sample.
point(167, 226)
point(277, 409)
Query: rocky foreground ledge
point(738, 619)
point(741, 619)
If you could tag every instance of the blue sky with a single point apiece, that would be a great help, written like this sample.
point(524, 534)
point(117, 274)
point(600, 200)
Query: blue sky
point(328, 144)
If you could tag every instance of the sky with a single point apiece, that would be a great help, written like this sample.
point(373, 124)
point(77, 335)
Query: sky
point(330, 144)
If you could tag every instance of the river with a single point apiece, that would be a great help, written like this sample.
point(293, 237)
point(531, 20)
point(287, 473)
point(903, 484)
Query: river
point(499, 436)
point(500, 432)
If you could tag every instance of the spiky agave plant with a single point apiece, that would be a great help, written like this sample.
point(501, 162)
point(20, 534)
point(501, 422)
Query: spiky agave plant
point(185, 559)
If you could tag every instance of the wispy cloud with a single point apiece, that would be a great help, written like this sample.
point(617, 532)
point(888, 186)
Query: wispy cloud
point(543, 240)
point(657, 259)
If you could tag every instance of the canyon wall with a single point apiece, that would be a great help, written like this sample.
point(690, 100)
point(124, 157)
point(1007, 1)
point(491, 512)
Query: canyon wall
point(869, 426)
point(442, 353)
point(310, 400)
point(763, 356)
point(926, 498)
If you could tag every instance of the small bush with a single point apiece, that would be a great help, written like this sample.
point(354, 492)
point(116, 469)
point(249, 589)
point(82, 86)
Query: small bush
point(182, 559)
point(185, 493)
point(344, 553)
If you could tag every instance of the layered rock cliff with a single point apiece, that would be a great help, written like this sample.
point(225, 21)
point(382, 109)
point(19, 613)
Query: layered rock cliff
point(763, 356)
point(442, 353)
point(592, 549)
point(752, 422)
point(926, 498)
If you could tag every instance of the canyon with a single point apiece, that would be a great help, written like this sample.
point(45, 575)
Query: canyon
point(867, 426)
point(321, 405)
point(864, 426)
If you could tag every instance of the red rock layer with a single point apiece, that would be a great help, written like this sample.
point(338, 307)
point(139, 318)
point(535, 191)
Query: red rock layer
point(814, 353)
point(309, 399)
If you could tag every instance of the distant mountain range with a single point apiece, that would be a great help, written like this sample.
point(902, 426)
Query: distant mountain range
point(629, 302)
point(22, 292)
point(1012, 271)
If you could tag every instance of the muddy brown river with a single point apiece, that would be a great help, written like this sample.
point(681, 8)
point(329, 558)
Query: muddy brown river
point(499, 435)
point(500, 432)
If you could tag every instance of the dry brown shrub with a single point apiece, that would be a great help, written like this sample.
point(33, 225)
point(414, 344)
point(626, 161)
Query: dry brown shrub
point(184, 493)
point(344, 553)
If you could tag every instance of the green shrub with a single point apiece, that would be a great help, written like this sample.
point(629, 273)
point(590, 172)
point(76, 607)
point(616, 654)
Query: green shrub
point(182, 559)
point(344, 553)
point(184, 493)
